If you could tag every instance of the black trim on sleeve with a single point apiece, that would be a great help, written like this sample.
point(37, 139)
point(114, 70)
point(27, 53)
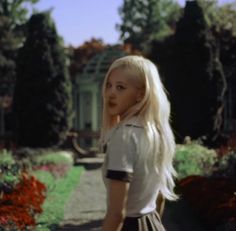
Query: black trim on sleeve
point(119, 175)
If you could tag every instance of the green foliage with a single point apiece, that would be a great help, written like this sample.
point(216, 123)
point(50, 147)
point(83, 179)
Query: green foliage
point(226, 166)
point(8, 45)
point(226, 19)
point(44, 117)
point(146, 20)
point(6, 158)
point(221, 17)
point(9, 171)
point(13, 16)
point(194, 159)
point(193, 75)
point(56, 157)
point(15, 10)
point(53, 207)
point(200, 84)
point(210, 10)
point(58, 189)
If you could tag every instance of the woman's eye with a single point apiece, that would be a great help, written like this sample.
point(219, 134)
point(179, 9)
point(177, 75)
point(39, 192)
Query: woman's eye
point(108, 85)
point(120, 87)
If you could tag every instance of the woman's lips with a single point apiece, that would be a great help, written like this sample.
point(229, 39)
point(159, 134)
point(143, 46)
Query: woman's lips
point(111, 104)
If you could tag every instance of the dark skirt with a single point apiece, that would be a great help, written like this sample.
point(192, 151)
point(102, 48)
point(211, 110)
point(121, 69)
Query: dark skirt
point(149, 222)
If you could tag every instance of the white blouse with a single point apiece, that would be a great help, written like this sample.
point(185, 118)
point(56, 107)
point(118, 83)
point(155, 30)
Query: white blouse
point(128, 159)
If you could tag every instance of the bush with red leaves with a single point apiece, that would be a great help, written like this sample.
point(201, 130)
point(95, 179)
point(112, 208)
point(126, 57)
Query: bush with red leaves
point(214, 199)
point(18, 209)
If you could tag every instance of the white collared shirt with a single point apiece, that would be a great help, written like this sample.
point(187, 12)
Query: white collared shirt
point(128, 159)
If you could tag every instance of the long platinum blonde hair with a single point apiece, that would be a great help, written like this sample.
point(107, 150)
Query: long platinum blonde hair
point(154, 112)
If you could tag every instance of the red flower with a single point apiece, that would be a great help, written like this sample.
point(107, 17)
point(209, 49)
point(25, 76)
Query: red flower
point(21, 205)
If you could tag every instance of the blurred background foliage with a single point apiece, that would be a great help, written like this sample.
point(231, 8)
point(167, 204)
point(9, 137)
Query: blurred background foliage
point(194, 159)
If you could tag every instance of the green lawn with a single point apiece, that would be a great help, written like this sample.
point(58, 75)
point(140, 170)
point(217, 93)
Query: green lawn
point(59, 190)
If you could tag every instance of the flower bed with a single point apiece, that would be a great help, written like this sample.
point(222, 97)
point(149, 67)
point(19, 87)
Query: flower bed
point(214, 199)
point(18, 209)
point(22, 193)
point(208, 183)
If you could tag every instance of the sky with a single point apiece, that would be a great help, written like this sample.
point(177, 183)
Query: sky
point(78, 21)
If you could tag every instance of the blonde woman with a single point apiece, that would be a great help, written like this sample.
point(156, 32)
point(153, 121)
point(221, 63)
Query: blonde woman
point(139, 145)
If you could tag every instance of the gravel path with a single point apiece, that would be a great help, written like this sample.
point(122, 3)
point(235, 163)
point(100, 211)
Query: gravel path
point(85, 209)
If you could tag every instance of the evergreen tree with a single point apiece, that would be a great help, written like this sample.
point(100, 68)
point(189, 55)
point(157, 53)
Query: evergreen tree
point(194, 77)
point(198, 80)
point(190, 82)
point(42, 99)
point(227, 51)
point(13, 16)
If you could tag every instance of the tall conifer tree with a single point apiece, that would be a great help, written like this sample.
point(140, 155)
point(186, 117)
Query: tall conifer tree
point(200, 80)
point(13, 16)
point(194, 77)
point(42, 100)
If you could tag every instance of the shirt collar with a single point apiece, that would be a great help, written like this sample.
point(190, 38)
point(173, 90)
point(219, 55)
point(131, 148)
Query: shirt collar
point(133, 121)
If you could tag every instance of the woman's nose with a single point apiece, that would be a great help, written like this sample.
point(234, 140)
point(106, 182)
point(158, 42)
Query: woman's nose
point(111, 92)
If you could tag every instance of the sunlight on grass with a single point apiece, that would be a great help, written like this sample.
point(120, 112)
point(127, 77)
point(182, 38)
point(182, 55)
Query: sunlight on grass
point(59, 190)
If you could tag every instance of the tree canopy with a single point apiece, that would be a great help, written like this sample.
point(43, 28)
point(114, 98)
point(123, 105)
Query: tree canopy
point(79, 56)
point(221, 17)
point(143, 21)
point(13, 16)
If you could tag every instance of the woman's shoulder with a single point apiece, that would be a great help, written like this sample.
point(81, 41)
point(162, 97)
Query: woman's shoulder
point(125, 130)
point(133, 122)
point(129, 129)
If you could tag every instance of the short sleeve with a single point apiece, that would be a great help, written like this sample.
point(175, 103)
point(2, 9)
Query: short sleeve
point(121, 152)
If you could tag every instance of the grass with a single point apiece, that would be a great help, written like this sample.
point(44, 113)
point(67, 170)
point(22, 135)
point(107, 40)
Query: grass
point(59, 190)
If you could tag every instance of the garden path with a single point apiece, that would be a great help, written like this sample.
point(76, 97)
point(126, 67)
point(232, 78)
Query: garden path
point(85, 208)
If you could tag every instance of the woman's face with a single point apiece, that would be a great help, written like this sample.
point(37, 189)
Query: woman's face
point(120, 93)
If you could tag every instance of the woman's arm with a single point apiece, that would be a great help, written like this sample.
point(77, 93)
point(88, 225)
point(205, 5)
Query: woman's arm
point(116, 211)
point(160, 202)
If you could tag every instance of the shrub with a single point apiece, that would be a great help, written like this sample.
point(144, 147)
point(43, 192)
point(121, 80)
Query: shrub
point(19, 207)
point(217, 203)
point(194, 159)
point(54, 157)
point(226, 166)
point(56, 162)
point(43, 118)
point(9, 171)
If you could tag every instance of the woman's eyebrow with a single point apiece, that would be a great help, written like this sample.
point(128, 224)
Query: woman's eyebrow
point(120, 82)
